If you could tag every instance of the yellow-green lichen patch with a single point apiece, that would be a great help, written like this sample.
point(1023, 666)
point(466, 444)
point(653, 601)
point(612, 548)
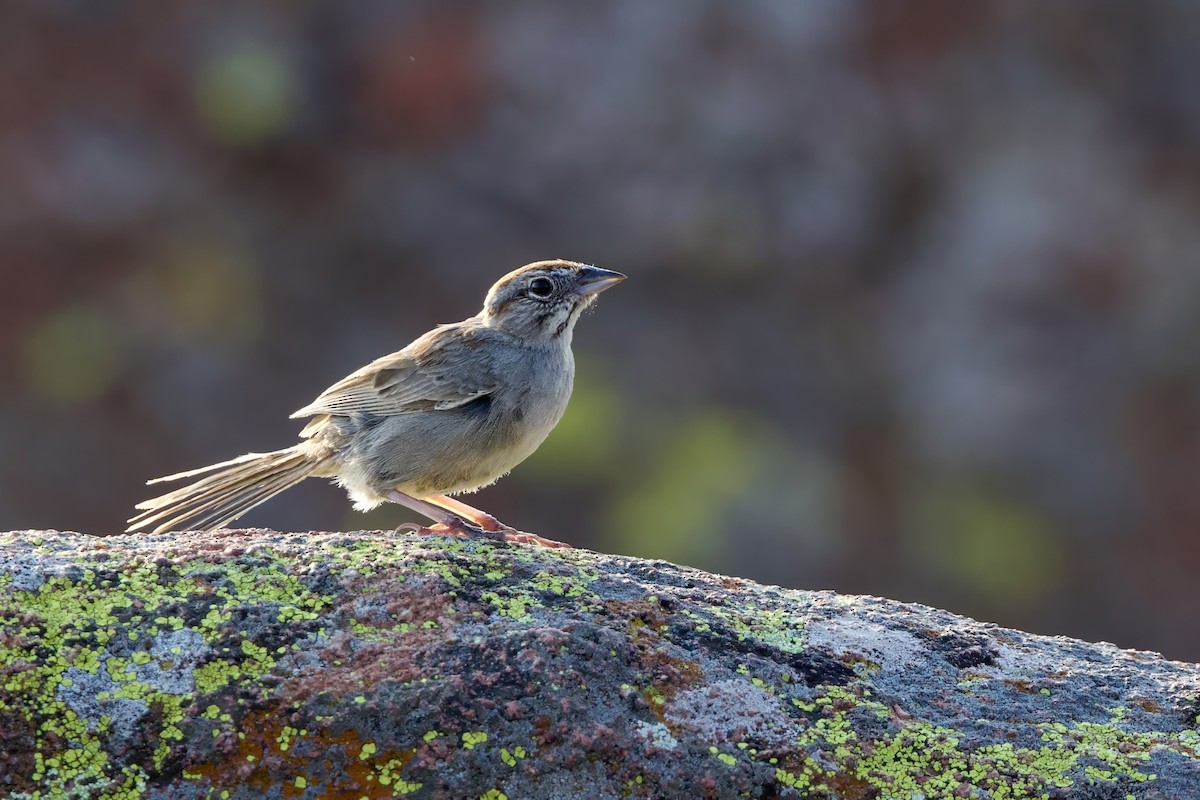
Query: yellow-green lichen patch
point(919, 758)
point(515, 594)
point(98, 650)
point(263, 753)
point(728, 759)
point(565, 585)
point(58, 674)
point(511, 757)
point(509, 585)
point(775, 628)
point(374, 665)
point(472, 738)
point(513, 607)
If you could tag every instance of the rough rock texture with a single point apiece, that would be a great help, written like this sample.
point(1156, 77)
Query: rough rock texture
point(252, 664)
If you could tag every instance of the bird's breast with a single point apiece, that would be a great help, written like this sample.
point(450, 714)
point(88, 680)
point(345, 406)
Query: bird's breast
point(530, 408)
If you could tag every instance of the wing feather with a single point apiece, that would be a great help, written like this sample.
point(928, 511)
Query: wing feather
point(443, 369)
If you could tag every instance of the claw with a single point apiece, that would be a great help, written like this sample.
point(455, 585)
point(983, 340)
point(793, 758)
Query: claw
point(463, 528)
point(441, 529)
point(513, 535)
point(456, 518)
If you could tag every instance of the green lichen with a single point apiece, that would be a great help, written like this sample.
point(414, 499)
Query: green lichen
point(775, 628)
point(921, 759)
point(216, 675)
point(725, 758)
point(566, 585)
point(389, 775)
point(76, 618)
point(472, 738)
point(109, 624)
point(514, 607)
point(286, 735)
point(510, 757)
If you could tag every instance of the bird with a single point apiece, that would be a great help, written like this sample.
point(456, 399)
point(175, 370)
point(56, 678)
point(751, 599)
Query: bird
point(452, 412)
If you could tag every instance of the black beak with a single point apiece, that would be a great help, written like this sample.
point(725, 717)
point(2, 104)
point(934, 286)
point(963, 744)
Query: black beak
point(593, 280)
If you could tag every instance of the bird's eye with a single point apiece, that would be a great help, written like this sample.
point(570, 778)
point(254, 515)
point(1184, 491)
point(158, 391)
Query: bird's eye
point(541, 288)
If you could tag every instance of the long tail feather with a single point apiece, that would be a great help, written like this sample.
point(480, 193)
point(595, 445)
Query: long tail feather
point(191, 505)
point(211, 489)
point(235, 487)
point(206, 489)
point(191, 473)
point(220, 511)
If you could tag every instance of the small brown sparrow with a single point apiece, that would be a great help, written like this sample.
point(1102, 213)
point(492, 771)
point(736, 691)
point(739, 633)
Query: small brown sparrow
point(452, 412)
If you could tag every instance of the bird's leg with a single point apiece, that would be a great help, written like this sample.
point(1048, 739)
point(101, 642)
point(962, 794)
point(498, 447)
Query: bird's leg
point(446, 521)
point(488, 523)
point(482, 519)
point(466, 519)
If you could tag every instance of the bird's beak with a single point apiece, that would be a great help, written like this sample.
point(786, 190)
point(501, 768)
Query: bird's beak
point(593, 280)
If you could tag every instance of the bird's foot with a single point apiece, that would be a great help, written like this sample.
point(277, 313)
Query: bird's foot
point(456, 518)
point(514, 535)
point(498, 532)
point(442, 529)
point(497, 529)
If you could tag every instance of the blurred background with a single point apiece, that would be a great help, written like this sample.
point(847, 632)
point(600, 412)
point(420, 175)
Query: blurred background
point(914, 296)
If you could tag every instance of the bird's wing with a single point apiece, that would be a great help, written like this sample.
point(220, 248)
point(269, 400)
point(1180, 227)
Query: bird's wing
point(445, 368)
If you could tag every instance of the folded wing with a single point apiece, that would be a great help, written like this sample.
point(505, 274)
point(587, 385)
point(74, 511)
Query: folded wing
point(445, 368)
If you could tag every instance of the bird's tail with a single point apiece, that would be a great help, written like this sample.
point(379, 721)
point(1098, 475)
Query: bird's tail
point(233, 488)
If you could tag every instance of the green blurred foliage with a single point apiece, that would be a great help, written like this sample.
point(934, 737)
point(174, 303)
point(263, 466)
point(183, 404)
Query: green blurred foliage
point(986, 544)
point(714, 471)
point(203, 287)
point(247, 95)
point(72, 355)
point(214, 289)
point(676, 509)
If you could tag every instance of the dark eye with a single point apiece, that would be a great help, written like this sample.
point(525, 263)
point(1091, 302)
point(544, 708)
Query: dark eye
point(541, 288)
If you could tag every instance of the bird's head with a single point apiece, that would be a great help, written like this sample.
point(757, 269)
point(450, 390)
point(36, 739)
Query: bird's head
point(541, 302)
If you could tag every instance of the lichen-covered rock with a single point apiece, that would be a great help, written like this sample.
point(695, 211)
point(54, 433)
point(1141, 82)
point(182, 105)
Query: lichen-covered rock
point(248, 664)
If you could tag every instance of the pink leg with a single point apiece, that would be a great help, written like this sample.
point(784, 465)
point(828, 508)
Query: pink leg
point(482, 519)
point(456, 517)
point(489, 523)
point(446, 521)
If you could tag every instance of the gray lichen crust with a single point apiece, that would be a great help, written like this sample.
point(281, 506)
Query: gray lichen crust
point(250, 663)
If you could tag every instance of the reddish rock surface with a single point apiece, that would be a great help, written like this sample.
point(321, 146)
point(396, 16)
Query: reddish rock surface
point(249, 663)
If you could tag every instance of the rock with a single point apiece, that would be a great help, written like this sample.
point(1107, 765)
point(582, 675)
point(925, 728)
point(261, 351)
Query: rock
point(250, 663)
